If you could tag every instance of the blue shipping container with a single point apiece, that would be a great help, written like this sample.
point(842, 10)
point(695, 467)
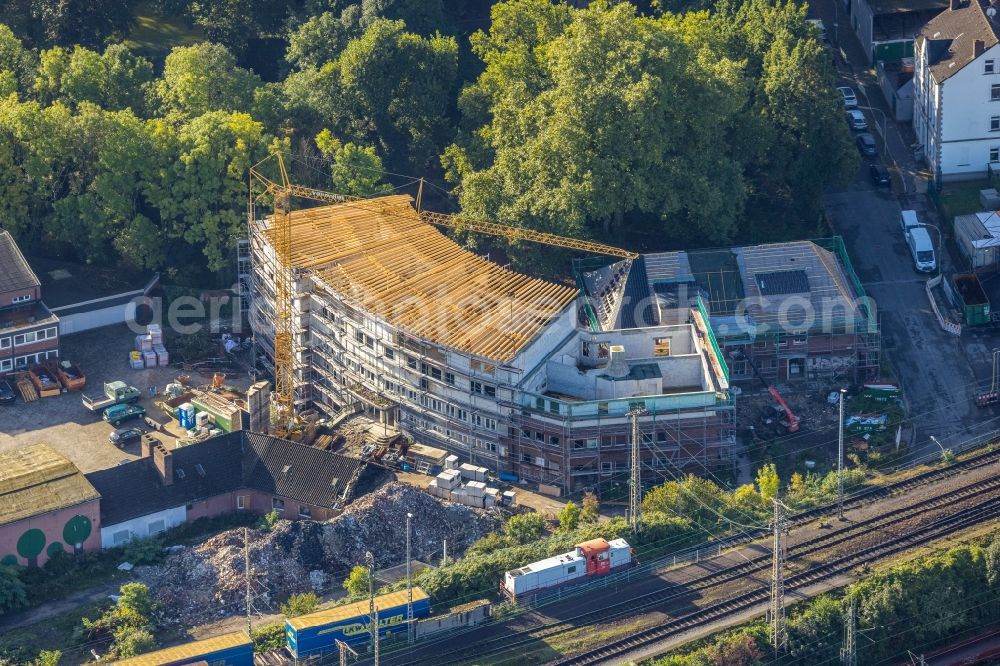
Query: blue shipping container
point(317, 633)
point(233, 649)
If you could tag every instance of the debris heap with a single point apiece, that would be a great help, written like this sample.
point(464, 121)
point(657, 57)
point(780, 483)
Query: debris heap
point(208, 581)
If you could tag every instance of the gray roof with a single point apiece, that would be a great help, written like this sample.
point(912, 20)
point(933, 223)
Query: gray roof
point(882, 7)
point(951, 37)
point(15, 273)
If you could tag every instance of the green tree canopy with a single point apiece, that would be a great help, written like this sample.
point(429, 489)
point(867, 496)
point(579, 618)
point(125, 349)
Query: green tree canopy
point(525, 527)
point(13, 593)
point(569, 517)
point(205, 77)
point(356, 582)
point(768, 482)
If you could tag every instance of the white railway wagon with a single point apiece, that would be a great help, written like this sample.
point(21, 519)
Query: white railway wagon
point(591, 558)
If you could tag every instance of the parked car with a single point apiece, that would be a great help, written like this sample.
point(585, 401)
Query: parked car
point(880, 175)
point(118, 413)
point(850, 99)
point(125, 436)
point(7, 394)
point(856, 120)
point(866, 145)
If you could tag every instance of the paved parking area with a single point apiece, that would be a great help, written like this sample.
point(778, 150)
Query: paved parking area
point(64, 423)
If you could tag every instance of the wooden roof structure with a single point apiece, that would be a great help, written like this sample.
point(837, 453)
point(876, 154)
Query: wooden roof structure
point(37, 479)
point(380, 256)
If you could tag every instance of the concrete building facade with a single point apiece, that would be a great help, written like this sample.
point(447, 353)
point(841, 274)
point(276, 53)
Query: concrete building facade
point(29, 332)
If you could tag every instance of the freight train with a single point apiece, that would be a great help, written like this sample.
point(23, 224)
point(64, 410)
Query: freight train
point(318, 633)
point(588, 559)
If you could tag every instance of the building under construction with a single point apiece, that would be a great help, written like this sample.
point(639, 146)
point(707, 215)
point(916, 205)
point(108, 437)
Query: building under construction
point(391, 317)
point(796, 310)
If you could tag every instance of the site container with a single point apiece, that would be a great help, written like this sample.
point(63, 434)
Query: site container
point(971, 299)
point(318, 633)
point(233, 649)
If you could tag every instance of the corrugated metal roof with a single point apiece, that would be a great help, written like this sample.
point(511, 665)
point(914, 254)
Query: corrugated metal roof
point(189, 650)
point(36, 479)
point(338, 613)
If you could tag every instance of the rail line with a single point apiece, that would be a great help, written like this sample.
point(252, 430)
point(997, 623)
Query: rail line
point(948, 525)
point(651, 600)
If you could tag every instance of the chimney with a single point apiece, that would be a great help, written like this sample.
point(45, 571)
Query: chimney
point(954, 4)
point(979, 47)
point(618, 367)
point(163, 461)
point(146, 445)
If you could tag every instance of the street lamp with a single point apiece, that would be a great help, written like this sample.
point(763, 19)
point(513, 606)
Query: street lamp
point(944, 451)
point(409, 587)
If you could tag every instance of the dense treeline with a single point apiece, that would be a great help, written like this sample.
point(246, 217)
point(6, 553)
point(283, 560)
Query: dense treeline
point(644, 128)
point(912, 606)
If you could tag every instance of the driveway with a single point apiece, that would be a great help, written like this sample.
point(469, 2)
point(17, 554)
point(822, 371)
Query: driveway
point(940, 373)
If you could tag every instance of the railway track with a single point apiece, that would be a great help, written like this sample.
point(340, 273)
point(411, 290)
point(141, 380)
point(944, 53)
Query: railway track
point(986, 510)
point(652, 600)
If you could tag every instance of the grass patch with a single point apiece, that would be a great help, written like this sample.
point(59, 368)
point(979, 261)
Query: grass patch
point(154, 35)
point(57, 633)
point(572, 641)
point(962, 198)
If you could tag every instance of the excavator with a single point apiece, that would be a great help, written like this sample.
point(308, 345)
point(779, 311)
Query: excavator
point(791, 422)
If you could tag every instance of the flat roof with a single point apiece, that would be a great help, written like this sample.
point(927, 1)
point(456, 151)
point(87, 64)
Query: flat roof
point(547, 563)
point(353, 610)
point(379, 255)
point(189, 650)
point(37, 479)
point(67, 283)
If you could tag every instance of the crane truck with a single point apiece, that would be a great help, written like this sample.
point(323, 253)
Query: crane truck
point(791, 422)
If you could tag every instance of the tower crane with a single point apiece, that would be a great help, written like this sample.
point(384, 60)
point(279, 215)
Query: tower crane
point(281, 192)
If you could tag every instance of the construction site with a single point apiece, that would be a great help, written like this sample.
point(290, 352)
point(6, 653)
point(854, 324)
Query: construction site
point(364, 306)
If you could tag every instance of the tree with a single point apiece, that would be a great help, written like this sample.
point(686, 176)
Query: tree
point(584, 116)
point(300, 604)
point(694, 499)
point(17, 64)
point(389, 87)
point(233, 23)
point(85, 23)
point(993, 562)
point(768, 482)
point(47, 658)
point(13, 593)
point(591, 511)
point(569, 517)
point(525, 527)
point(202, 78)
point(354, 169)
point(356, 582)
point(135, 598)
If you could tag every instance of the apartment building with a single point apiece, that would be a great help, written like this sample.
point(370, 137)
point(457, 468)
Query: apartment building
point(956, 91)
point(396, 319)
point(29, 332)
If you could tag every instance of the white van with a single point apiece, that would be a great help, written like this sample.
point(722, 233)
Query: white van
point(922, 250)
point(908, 220)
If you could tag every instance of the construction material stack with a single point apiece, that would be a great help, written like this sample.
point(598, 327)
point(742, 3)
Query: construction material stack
point(149, 349)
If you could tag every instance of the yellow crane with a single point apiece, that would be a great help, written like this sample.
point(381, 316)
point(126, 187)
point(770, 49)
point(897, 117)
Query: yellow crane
point(282, 193)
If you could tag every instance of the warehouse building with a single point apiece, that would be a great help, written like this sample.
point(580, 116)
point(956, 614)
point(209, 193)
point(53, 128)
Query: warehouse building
point(395, 319)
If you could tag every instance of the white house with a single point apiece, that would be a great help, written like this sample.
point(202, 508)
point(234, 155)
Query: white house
point(956, 95)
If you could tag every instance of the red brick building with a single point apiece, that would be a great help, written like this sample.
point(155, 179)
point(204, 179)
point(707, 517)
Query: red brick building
point(29, 332)
point(239, 471)
point(46, 506)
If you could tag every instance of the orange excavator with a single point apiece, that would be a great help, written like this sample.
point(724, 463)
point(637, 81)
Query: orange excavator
point(791, 422)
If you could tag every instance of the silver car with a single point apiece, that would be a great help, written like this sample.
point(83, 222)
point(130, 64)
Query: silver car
point(850, 99)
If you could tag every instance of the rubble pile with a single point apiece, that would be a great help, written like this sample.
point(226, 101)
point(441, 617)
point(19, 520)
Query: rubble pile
point(208, 581)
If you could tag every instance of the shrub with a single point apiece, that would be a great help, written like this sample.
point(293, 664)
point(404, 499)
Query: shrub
point(132, 641)
point(525, 527)
point(356, 582)
point(300, 604)
point(145, 551)
point(269, 520)
point(12, 590)
point(569, 517)
point(268, 637)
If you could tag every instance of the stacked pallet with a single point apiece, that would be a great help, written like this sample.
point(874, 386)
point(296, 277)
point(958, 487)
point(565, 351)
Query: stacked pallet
point(27, 389)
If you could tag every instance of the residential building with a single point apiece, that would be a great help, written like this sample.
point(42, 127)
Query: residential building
point(956, 95)
point(887, 28)
point(239, 471)
point(29, 332)
point(796, 310)
point(396, 319)
point(46, 506)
